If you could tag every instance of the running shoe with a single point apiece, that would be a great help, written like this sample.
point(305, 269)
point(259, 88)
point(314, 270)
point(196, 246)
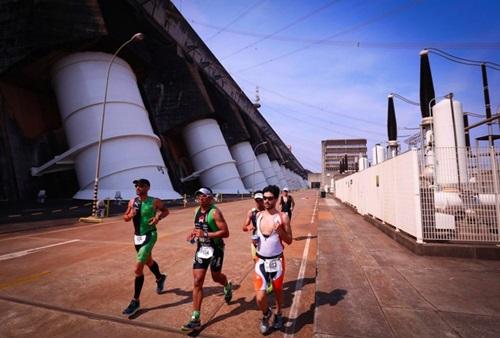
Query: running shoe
point(278, 321)
point(132, 308)
point(160, 283)
point(228, 292)
point(193, 324)
point(264, 323)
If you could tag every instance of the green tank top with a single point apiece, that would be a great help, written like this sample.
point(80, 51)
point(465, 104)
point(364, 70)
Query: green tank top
point(145, 210)
point(207, 221)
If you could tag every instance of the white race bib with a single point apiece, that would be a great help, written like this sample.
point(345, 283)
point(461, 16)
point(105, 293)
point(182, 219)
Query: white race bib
point(272, 265)
point(138, 240)
point(205, 252)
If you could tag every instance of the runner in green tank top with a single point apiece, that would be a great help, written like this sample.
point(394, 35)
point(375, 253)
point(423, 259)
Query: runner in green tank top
point(210, 228)
point(145, 212)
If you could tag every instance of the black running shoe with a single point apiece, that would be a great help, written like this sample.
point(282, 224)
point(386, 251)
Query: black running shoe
point(228, 292)
point(132, 308)
point(160, 283)
point(278, 321)
point(192, 325)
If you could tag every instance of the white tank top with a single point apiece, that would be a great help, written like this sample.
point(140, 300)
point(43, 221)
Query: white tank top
point(269, 246)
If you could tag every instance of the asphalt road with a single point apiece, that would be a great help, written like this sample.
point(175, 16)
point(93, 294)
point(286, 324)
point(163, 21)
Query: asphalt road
point(74, 281)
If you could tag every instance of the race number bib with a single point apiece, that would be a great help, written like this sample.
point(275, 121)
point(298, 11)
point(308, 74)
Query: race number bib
point(205, 252)
point(138, 240)
point(272, 265)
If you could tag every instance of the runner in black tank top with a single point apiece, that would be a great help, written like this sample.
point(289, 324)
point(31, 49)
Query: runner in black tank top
point(287, 203)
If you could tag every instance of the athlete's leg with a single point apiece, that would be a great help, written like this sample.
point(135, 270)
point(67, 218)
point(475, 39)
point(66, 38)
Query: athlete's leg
point(198, 280)
point(278, 285)
point(139, 279)
point(279, 299)
point(153, 266)
point(261, 298)
point(219, 277)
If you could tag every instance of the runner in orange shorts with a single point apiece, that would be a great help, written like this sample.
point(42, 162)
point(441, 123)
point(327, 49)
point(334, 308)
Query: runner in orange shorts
point(272, 228)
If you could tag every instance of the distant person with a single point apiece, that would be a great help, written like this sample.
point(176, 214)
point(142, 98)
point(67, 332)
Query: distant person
point(273, 228)
point(287, 203)
point(145, 212)
point(250, 223)
point(101, 208)
point(210, 228)
point(41, 197)
point(118, 198)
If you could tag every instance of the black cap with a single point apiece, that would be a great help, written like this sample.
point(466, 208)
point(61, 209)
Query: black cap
point(205, 191)
point(142, 181)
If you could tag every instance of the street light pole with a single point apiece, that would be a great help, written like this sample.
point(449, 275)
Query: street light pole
point(255, 159)
point(135, 37)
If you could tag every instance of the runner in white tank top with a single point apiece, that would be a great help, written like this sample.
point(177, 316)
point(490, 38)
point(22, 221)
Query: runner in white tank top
point(273, 228)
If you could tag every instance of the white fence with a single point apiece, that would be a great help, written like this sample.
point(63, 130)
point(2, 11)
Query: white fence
point(449, 194)
point(389, 191)
point(460, 200)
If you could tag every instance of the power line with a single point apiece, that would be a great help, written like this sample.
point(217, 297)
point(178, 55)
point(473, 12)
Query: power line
point(245, 12)
point(302, 18)
point(313, 106)
point(457, 59)
point(331, 130)
point(336, 124)
point(359, 44)
point(402, 98)
point(349, 30)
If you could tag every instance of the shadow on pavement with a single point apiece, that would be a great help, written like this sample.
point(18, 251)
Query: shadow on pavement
point(322, 298)
point(188, 298)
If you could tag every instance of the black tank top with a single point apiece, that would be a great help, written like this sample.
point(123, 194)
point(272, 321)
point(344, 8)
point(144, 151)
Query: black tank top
point(285, 207)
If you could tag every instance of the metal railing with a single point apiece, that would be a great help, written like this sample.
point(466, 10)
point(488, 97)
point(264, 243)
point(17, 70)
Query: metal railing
point(460, 194)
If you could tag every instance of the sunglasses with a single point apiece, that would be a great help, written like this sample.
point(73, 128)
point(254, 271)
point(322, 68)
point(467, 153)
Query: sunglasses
point(268, 198)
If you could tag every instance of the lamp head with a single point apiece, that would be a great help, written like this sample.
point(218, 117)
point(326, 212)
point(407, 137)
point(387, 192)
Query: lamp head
point(137, 37)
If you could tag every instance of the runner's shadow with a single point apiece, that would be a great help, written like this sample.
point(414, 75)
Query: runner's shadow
point(188, 298)
point(321, 299)
point(243, 306)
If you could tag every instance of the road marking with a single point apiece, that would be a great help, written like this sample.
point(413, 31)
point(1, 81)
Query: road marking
point(71, 208)
point(37, 213)
point(56, 210)
point(17, 215)
point(23, 280)
point(74, 226)
point(30, 251)
point(292, 316)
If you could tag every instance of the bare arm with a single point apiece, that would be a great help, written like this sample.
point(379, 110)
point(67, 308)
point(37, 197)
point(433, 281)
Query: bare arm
point(161, 212)
point(129, 213)
point(285, 230)
point(248, 226)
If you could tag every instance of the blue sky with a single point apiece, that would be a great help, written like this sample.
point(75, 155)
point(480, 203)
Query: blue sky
point(325, 68)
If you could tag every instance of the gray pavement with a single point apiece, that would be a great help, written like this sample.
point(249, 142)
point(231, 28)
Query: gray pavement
point(370, 286)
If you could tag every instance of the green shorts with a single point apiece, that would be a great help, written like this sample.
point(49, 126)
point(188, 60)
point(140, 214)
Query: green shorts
point(144, 249)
